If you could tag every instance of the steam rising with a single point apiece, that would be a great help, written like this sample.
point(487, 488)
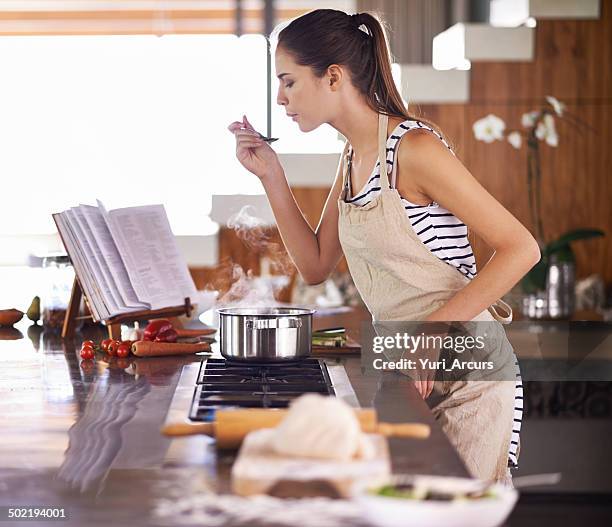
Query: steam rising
point(249, 290)
point(249, 228)
point(252, 291)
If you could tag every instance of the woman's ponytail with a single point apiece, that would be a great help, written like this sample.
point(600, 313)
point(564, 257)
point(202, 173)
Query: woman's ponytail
point(382, 93)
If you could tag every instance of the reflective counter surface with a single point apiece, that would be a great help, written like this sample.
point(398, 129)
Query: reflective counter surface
point(85, 435)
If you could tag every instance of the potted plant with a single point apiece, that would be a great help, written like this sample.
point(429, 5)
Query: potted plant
point(539, 126)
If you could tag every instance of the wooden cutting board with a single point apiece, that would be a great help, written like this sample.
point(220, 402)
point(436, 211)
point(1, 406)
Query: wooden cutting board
point(260, 470)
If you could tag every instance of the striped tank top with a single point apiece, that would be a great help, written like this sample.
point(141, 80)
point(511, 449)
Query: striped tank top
point(439, 229)
point(443, 234)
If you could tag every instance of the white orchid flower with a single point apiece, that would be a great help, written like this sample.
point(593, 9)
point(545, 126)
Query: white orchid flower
point(515, 139)
point(557, 105)
point(489, 128)
point(529, 119)
point(546, 131)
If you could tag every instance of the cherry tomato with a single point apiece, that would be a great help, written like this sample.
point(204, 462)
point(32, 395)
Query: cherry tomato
point(123, 363)
point(88, 343)
point(88, 365)
point(88, 347)
point(112, 348)
point(123, 350)
point(105, 344)
point(87, 353)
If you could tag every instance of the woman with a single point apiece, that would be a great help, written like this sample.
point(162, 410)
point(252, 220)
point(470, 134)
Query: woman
point(399, 229)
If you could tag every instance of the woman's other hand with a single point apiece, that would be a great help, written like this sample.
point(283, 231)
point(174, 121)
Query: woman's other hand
point(425, 386)
point(427, 357)
point(253, 152)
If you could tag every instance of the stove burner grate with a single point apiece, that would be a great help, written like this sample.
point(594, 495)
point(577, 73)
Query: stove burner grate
point(226, 384)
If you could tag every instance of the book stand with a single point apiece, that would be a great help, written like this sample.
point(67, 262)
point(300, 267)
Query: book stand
point(114, 323)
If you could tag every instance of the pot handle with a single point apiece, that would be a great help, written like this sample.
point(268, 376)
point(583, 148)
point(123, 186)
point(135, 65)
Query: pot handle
point(273, 323)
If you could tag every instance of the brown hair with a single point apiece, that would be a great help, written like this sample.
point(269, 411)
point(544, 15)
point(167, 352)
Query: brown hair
point(324, 37)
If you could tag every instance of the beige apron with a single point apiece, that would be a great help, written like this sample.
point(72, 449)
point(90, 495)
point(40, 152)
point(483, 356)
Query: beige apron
point(399, 279)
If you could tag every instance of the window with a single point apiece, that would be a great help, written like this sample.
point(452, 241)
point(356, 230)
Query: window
point(94, 104)
point(127, 119)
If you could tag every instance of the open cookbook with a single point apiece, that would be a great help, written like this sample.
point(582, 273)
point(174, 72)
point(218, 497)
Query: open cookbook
point(126, 260)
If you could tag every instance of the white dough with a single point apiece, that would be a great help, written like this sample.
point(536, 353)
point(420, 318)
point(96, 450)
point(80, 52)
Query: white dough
point(321, 427)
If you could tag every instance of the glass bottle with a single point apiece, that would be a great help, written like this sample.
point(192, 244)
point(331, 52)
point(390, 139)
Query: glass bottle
point(58, 279)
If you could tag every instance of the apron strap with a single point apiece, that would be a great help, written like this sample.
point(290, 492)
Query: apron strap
point(395, 162)
point(501, 311)
point(345, 163)
point(383, 121)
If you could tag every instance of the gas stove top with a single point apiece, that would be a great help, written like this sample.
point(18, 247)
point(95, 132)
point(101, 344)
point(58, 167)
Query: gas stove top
point(223, 384)
point(215, 383)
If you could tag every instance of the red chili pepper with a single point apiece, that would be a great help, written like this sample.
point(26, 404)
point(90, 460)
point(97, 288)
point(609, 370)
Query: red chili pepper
point(156, 327)
point(170, 335)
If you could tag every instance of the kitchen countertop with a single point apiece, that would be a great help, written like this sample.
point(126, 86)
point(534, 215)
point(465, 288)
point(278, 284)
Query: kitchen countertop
point(87, 438)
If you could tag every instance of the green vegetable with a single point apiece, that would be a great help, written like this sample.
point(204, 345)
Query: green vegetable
point(332, 337)
point(331, 342)
point(391, 491)
point(422, 494)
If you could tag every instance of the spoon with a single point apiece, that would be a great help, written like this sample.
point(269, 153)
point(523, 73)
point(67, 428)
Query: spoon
point(267, 139)
point(249, 126)
point(521, 482)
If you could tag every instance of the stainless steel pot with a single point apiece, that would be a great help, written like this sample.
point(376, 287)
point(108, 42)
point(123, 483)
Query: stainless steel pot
point(265, 334)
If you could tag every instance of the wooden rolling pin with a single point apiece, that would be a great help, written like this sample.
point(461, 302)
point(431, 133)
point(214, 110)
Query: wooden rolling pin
point(231, 426)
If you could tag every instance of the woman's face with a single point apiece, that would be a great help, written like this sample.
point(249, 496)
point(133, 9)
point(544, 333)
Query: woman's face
point(306, 98)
